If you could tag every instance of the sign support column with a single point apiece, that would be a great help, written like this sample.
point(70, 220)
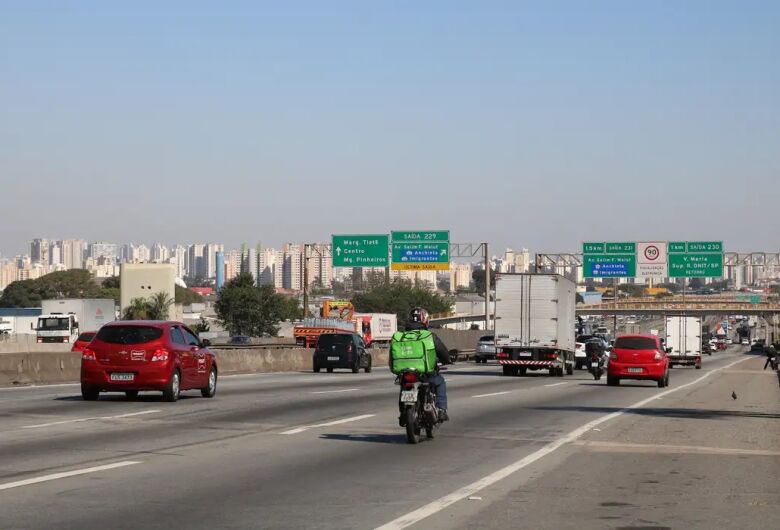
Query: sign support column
point(487, 287)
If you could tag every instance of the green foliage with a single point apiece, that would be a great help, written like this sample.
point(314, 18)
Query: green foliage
point(186, 297)
point(200, 327)
point(399, 297)
point(291, 308)
point(76, 283)
point(159, 306)
point(478, 276)
point(137, 310)
point(112, 282)
point(246, 309)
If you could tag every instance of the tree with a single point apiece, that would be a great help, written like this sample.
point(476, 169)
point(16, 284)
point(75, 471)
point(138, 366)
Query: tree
point(478, 276)
point(159, 305)
point(76, 283)
point(185, 296)
point(246, 309)
point(112, 282)
point(200, 327)
point(137, 310)
point(291, 308)
point(399, 296)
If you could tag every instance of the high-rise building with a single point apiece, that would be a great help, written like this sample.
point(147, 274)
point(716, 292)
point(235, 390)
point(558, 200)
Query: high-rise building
point(292, 270)
point(320, 266)
point(267, 267)
point(197, 266)
point(73, 251)
point(523, 261)
point(210, 258)
point(160, 253)
point(55, 253)
point(460, 276)
point(39, 251)
point(232, 264)
point(102, 250)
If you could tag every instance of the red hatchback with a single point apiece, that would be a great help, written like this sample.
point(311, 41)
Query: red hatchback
point(638, 357)
point(132, 355)
point(82, 341)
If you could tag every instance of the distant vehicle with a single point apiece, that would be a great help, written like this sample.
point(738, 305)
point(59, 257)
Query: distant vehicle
point(376, 328)
point(341, 350)
point(683, 341)
point(580, 358)
point(638, 357)
point(62, 320)
point(138, 355)
point(745, 342)
point(485, 350)
point(757, 346)
point(238, 340)
point(5, 327)
point(82, 341)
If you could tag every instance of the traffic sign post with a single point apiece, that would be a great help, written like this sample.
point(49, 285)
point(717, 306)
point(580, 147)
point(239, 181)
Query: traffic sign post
point(609, 260)
point(360, 250)
point(421, 250)
point(696, 259)
point(651, 260)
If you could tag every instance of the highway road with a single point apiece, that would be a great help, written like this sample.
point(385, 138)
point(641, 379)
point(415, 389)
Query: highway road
point(300, 450)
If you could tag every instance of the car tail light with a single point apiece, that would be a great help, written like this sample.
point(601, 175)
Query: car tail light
point(349, 348)
point(40, 339)
point(160, 355)
point(613, 356)
point(502, 355)
point(658, 356)
point(88, 355)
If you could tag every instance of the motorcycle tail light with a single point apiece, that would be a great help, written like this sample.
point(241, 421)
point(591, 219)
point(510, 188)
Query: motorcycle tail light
point(410, 377)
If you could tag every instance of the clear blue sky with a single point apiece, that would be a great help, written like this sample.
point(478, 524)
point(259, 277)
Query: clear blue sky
point(525, 124)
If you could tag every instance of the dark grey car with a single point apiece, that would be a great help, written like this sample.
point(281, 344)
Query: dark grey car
point(341, 350)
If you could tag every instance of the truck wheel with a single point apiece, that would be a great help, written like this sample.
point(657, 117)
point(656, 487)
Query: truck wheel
point(507, 370)
point(521, 370)
point(569, 369)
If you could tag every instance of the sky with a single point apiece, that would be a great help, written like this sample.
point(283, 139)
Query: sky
point(524, 124)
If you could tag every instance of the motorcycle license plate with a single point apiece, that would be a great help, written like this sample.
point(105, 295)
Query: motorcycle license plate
point(409, 396)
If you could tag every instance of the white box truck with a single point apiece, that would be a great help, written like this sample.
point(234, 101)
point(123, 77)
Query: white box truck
point(535, 323)
point(683, 340)
point(63, 320)
point(376, 328)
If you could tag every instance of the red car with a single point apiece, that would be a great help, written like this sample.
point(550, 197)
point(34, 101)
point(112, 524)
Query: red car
point(82, 341)
point(133, 355)
point(638, 357)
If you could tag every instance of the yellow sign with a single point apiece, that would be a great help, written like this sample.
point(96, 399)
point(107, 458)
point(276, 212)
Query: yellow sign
point(420, 266)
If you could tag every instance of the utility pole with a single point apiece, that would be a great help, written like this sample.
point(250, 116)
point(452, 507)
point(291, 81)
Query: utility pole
point(487, 287)
point(305, 280)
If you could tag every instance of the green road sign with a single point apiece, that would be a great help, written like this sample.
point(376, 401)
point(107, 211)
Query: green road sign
point(677, 246)
point(621, 248)
point(360, 250)
point(696, 265)
point(433, 256)
point(422, 236)
point(593, 248)
point(609, 266)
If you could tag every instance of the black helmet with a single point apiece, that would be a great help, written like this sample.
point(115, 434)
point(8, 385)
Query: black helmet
point(419, 315)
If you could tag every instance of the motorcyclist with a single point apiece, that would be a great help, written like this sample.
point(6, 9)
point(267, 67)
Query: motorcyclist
point(419, 319)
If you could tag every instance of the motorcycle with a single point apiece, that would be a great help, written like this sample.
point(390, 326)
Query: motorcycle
point(596, 367)
point(417, 403)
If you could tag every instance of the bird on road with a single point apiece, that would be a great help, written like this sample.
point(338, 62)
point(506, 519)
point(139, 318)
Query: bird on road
point(733, 395)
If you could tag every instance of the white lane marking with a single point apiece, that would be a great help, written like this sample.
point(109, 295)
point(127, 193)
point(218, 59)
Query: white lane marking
point(328, 424)
point(66, 474)
point(334, 391)
point(493, 394)
point(37, 387)
point(79, 420)
point(555, 384)
point(463, 493)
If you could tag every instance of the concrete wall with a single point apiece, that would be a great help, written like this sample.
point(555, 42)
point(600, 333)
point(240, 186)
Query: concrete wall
point(461, 340)
point(28, 344)
point(64, 367)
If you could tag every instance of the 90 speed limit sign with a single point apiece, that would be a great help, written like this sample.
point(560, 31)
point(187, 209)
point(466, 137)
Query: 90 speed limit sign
point(651, 253)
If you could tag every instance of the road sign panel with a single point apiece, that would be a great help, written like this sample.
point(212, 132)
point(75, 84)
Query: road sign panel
point(696, 265)
point(421, 236)
point(609, 266)
point(652, 270)
point(593, 248)
point(678, 246)
point(621, 248)
point(651, 252)
point(705, 246)
point(360, 250)
point(421, 256)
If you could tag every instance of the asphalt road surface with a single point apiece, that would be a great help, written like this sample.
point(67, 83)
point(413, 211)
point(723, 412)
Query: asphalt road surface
point(324, 451)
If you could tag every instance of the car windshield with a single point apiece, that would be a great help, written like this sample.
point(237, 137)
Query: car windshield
point(635, 343)
point(54, 324)
point(486, 338)
point(334, 340)
point(129, 334)
point(86, 337)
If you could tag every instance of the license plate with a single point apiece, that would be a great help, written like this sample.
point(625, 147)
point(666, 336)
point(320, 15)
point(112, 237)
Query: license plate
point(333, 358)
point(122, 377)
point(409, 396)
point(525, 354)
point(635, 370)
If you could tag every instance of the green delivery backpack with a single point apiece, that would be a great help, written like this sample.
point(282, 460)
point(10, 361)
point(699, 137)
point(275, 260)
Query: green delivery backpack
point(413, 350)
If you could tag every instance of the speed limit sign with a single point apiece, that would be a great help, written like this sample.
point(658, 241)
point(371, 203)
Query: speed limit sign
point(651, 252)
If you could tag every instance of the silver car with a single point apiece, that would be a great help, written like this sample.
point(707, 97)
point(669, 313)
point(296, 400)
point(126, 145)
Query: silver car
point(486, 349)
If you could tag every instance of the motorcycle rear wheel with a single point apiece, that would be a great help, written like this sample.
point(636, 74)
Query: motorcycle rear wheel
point(412, 428)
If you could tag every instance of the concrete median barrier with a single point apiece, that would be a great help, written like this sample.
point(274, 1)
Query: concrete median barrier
point(64, 367)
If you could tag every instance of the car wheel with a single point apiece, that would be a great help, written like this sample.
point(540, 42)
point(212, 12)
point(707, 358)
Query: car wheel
point(316, 369)
point(172, 391)
point(356, 367)
point(131, 394)
point(211, 387)
point(368, 366)
point(612, 381)
point(662, 382)
point(89, 393)
point(330, 370)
